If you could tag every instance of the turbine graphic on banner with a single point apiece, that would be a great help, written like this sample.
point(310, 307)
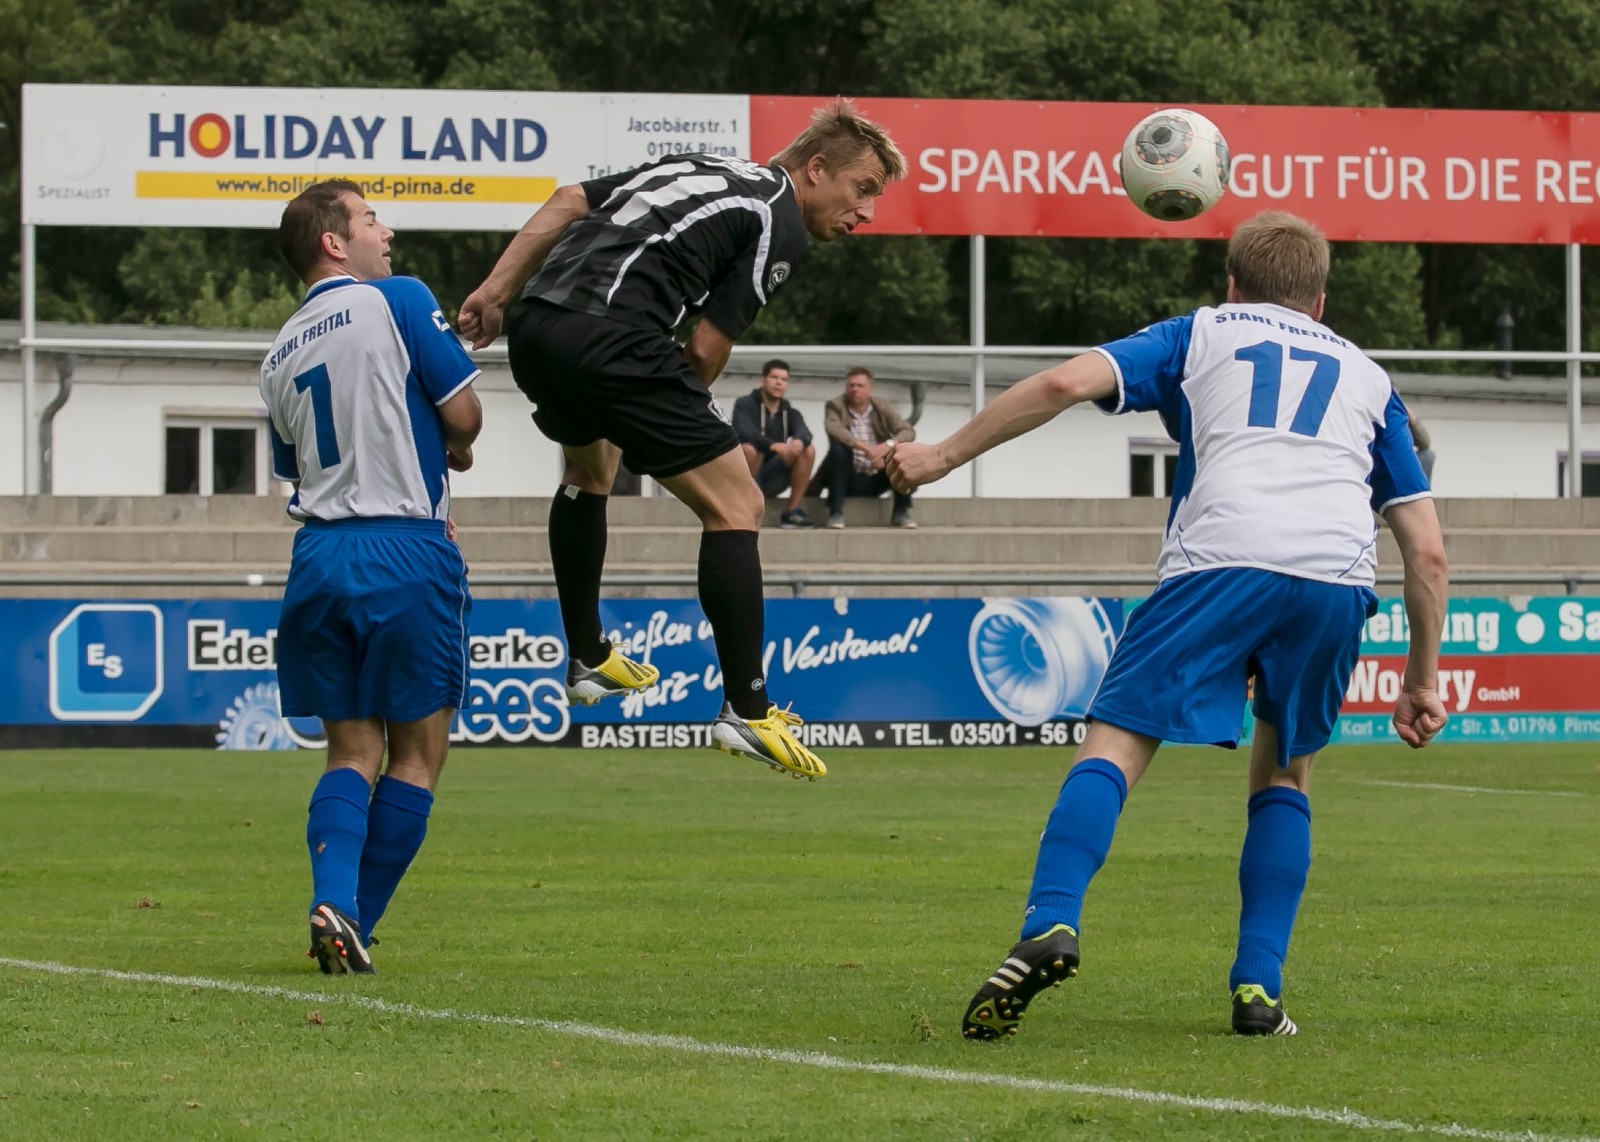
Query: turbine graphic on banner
point(254, 721)
point(1040, 659)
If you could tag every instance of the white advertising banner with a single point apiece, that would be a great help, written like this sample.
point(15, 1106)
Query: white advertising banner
point(101, 155)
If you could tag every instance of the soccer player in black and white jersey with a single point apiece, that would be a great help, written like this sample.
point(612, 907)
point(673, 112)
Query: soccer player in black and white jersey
point(590, 291)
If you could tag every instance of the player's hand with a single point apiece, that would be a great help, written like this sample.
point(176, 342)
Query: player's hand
point(1418, 716)
point(458, 459)
point(912, 465)
point(479, 319)
point(450, 531)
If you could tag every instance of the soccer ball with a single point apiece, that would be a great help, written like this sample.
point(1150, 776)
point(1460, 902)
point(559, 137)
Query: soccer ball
point(1175, 164)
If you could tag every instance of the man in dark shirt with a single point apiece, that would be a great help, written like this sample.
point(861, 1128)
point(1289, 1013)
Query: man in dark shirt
point(776, 442)
point(620, 261)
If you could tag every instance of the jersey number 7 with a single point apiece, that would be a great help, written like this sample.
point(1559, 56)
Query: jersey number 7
point(1266, 359)
point(316, 380)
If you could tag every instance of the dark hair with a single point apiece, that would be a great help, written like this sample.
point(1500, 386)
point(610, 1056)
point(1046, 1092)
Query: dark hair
point(775, 364)
point(860, 371)
point(317, 210)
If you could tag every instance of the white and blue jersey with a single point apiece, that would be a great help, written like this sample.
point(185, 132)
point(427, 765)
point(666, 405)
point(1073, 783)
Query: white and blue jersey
point(1289, 437)
point(376, 607)
point(352, 387)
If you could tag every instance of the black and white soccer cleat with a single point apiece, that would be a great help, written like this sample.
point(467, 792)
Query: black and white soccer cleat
point(1029, 968)
point(1257, 1013)
point(336, 943)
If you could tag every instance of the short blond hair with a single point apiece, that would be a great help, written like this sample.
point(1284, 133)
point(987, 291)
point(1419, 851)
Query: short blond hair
point(1279, 258)
point(842, 136)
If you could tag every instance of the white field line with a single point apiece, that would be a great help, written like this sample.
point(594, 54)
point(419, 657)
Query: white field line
point(1354, 1120)
point(1473, 788)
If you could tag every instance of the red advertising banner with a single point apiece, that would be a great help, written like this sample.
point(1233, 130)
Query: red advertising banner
point(1362, 174)
point(1483, 684)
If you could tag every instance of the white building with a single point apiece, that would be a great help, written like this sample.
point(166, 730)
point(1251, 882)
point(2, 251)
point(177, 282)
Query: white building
point(148, 421)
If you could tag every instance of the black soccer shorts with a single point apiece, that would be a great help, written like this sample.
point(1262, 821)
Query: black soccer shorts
point(591, 378)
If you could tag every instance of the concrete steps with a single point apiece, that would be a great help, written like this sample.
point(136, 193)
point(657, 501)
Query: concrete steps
point(268, 511)
point(641, 547)
point(234, 536)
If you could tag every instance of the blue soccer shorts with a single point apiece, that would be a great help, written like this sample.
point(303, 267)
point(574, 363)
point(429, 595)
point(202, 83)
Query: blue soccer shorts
point(374, 621)
point(1181, 668)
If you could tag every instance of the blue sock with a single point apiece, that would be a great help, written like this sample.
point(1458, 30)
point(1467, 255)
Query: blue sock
point(1074, 846)
point(395, 828)
point(336, 828)
point(1272, 875)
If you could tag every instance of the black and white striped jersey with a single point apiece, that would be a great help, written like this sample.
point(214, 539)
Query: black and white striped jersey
point(686, 234)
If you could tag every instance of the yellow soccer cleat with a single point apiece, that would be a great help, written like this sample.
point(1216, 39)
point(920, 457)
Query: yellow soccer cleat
point(618, 674)
point(767, 739)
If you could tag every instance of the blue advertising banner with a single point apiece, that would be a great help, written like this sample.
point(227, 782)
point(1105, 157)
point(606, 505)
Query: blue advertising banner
point(865, 672)
point(874, 672)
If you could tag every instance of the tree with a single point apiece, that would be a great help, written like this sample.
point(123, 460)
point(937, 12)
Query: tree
point(1341, 52)
point(44, 41)
point(1532, 57)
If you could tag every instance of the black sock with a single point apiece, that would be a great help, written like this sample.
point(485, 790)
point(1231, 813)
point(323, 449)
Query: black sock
point(730, 595)
point(577, 555)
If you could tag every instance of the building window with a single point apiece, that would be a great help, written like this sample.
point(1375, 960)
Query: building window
point(1152, 467)
point(183, 460)
point(1588, 477)
point(221, 456)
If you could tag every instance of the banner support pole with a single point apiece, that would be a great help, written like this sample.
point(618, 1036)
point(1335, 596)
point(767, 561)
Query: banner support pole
point(1574, 487)
point(978, 306)
point(30, 364)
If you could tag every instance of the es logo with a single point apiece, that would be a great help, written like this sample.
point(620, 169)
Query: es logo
point(106, 662)
point(440, 322)
point(777, 276)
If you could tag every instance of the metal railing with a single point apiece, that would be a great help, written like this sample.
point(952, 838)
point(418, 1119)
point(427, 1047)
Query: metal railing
point(250, 350)
point(35, 444)
point(796, 583)
point(977, 351)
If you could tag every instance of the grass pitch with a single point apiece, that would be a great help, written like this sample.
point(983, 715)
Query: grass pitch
point(1443, 971)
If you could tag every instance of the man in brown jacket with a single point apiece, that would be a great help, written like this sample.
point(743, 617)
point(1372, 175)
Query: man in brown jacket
point(861, 428)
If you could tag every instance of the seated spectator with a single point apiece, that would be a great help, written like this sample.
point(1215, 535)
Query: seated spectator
point(776, 442)
point(861, 428)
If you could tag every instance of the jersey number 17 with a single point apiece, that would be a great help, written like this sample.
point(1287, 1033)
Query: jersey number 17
point(1266, 360)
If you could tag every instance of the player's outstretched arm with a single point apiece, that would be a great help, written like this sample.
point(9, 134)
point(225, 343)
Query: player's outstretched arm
point(1419, 714)
point(480, 314)
point(1021, 408)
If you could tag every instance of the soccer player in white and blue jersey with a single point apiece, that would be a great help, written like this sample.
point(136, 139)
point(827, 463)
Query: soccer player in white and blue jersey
point(371, 402)
point(1289, 438)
